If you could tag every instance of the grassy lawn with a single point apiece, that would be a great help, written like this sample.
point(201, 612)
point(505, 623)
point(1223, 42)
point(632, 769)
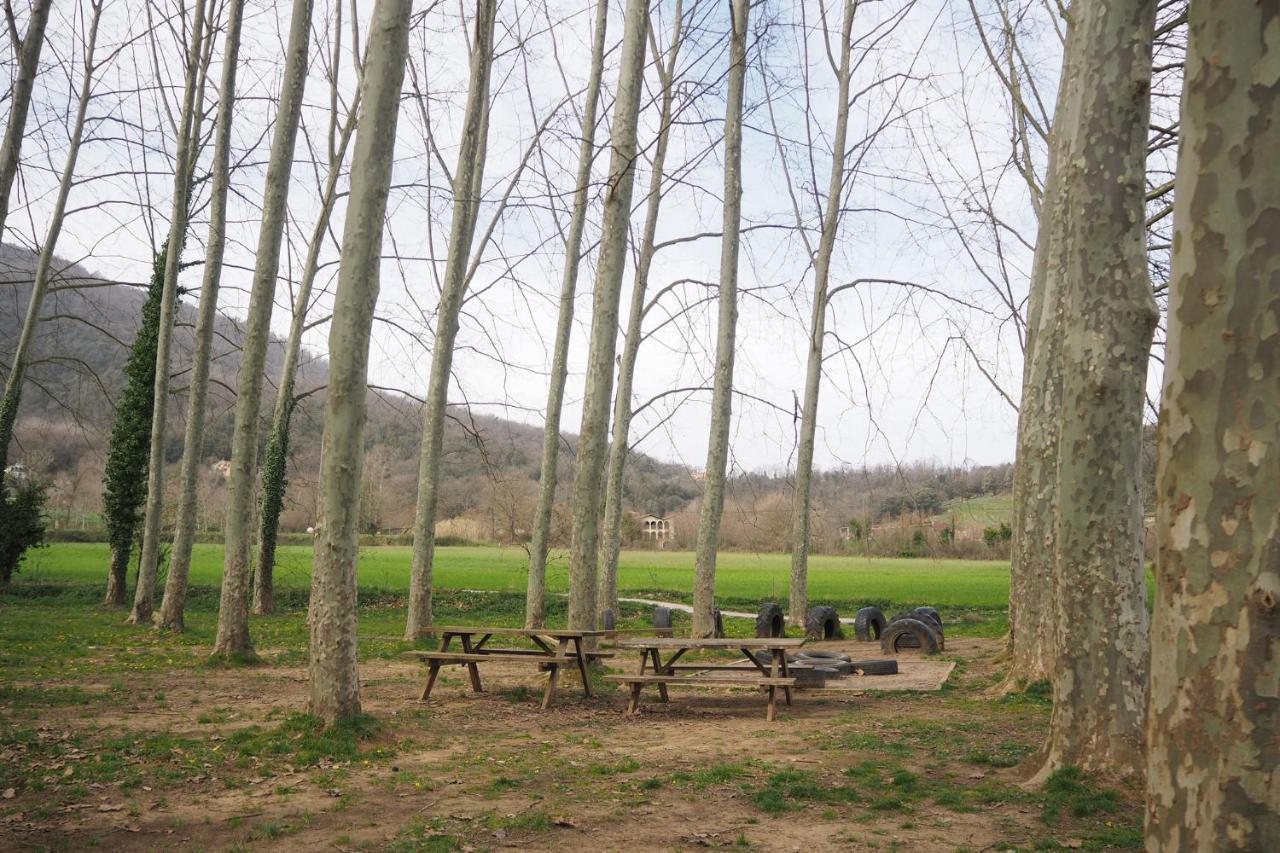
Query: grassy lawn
point(742, 580)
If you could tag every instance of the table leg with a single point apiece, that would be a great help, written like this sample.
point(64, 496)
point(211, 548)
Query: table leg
point(433, 669)
point(633, 704)
point(772, 713)
point(659, 669)
point(582, 663)
point(472, 669)
point(780, 663)
point(550, 693)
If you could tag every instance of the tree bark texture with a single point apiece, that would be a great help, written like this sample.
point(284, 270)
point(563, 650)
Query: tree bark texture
point(148, 560)
point(233, 609)
point(466, 208)
point(704, 567)
point(335, 680)
point(173, 605)
point(28, 54)
point(44, 261)
point(592, 435)
point(1213, 760)
point(1101, 624)
point(798, 600)
point(611, 544)
point(536, 588)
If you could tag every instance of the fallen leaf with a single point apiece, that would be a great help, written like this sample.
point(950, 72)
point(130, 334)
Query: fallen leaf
point(9, 793)
point(1073, 843)
point(565, 821)
point(108, 807)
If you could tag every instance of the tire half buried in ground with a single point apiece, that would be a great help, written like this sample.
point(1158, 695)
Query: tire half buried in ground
point(909, 634)
point(869, 623)
point(770, 622)
point(824, 623)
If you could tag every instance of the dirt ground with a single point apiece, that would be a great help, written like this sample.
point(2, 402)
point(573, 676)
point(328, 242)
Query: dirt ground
point(890, 770)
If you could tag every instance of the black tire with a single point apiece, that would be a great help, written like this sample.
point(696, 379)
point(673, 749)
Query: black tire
point(869, 623)
point(766, 658)
point(909, 634)
point(607, 620)
point(839, 667)
point(818, 654)
point(929, 612)
point(662, 617)
point(876, 666)
point(824, 623)
point(719, 624)
point(770, 622)
point(933, 624)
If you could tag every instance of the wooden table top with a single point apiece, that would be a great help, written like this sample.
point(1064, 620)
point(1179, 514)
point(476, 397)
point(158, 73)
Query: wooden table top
point(515, 632)
point(711, 643)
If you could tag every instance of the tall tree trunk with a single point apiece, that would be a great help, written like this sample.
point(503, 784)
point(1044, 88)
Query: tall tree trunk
point(1099, 678)
point(144, 593)
point(798, 601)
point(275, 464)
point(611, 546)
point(335, 680)
point(604, 321)
point(44, 261)
point(28, 54)
point(535, 591)
point(466, 206)
point(233, 609)
point(704, 568)
point(173, 606)
point(1211, 732)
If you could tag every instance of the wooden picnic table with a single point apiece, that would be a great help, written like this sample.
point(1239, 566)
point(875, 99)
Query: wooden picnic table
point(769, 676)
point(555, 648)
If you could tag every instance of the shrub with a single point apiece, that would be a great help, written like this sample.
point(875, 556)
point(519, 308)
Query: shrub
point(21, 524)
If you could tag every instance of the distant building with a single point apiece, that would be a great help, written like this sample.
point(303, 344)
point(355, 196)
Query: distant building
point(661, 530)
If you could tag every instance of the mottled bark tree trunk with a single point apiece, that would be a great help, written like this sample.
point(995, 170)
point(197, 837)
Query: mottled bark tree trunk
point(233, 608)
point(149, 558)
point(1101, 625)
point(44, 261)
point(275, 463)
point(335, 679)
point(28, 54)
point(798, 600)
point(589, 465)
point(173, 606)
point(611, 545)
point(536, 588)
point(1213, 749)
point(466, 207)
point(704, 567)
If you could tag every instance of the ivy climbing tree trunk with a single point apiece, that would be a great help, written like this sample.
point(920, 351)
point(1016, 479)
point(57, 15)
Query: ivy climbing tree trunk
point(1213, 750)
point(603, 345)
point(173, 605)
point(1101, 626)
point(798, 600)
point(611, 545)
point(466, 207)
point(28, 53)
point(536, 589)
point(44, 261)
point(275, 464)
point(704, 568)
point(335, 679)
point(233, 608)
point(148, 560)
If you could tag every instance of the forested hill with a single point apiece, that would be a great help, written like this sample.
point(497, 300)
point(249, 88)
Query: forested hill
point(77, 372)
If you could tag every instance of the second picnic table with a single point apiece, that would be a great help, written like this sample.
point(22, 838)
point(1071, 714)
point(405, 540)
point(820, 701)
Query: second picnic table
point(555, 648)
point(757, 673)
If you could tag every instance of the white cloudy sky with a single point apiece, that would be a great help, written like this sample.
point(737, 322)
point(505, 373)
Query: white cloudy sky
point(901, 383)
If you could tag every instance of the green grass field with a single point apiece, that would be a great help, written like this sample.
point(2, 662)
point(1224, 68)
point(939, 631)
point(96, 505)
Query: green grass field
point(741, 579)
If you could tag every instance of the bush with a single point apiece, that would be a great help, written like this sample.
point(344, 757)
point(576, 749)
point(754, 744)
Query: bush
point(21, 524)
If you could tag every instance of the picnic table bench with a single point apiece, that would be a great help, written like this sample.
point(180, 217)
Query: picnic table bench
point(768, 677)
point(555, 649)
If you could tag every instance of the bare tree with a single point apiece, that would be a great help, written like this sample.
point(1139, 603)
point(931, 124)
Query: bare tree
point(704, 568)
point(594, 430)
point(277, 452)
point(1099, 676)
point(170, 615)
point(535, 594)
point(233, 609)
point(1211, 730)
point(335, 680)
point(44, 261)
point(466, 186)
point(27, 49)
point(611, 545)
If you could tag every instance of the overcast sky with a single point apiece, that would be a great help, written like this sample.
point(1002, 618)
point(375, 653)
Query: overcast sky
point(902, 375)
